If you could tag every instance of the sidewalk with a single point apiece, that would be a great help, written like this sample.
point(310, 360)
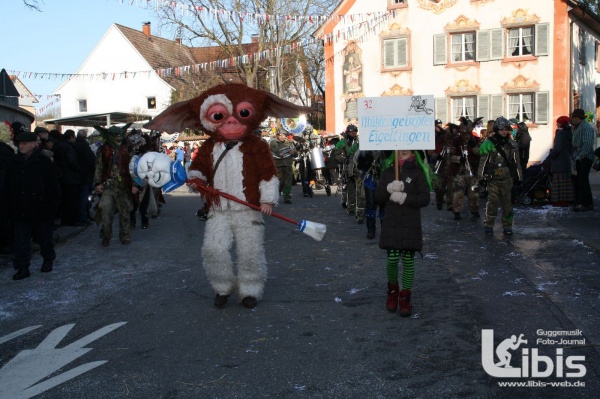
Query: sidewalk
point(582, 226)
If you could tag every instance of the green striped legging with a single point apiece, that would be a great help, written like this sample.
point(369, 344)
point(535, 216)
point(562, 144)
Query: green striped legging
point(408, 267)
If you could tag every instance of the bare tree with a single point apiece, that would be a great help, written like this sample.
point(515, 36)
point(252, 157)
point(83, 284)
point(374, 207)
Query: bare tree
point(50, 113)
point(247, 19)
point(33, 5)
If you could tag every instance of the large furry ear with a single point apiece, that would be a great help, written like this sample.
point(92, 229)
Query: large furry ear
point(452, 127)
point(176, 118)
point(279, 108)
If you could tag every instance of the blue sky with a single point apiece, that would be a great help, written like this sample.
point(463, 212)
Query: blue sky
point(59, 39)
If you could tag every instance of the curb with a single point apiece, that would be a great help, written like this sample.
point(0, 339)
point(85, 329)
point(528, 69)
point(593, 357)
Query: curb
point(552, 222)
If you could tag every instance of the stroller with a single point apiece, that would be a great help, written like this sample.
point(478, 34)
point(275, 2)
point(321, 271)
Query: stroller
point(536, 184)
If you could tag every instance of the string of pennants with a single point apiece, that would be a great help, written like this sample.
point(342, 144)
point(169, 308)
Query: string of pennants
point(41, 110)
point(258, 18)
point(353, 32)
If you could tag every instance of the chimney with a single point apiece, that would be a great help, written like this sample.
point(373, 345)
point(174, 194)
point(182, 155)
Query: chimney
point(146, 29)
point(254, 38)
point(178, 40)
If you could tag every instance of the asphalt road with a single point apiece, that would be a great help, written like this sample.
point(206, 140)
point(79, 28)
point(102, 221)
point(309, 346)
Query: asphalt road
point(144, 312)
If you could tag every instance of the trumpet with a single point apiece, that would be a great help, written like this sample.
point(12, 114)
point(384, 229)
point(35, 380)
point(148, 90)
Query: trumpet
point(438, 163)
point(467, 164)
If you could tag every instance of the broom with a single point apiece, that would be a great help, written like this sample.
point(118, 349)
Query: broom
point(311, 229)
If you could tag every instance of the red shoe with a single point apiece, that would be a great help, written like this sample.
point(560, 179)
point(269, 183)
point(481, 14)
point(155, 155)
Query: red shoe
point(405, 305)
point(392, 297)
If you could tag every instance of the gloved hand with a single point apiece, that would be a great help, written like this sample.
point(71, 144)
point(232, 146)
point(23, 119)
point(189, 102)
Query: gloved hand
point(398, 197)
point(395, 186)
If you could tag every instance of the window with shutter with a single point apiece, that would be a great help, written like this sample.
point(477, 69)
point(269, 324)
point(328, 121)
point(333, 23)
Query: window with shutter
point(497, 44)
point(483, 107)
point(519, 41)
point(389, 55)
point(483, 45)
point(521, 107)
point(439, 49)
point(463, 47)
point(441, 109)
point(497, 108)
point(395, 53)
point(542, 107)
point(541, 39)
point(463, 106)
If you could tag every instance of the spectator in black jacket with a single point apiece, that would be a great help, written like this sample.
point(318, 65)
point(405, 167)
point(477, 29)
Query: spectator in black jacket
point(7, 154)
point(33, 196)
point(87, 164)
point(69, 179)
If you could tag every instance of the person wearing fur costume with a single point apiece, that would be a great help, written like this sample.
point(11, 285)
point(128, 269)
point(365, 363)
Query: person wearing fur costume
point(113, 183)
point(464, 160)
point(235, 161)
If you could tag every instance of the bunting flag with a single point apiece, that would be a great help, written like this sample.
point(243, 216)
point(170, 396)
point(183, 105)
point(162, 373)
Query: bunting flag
point(47, 106)
point(228, 16)
point(355, 32)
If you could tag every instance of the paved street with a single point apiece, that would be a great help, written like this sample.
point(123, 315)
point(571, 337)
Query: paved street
point(144, 312)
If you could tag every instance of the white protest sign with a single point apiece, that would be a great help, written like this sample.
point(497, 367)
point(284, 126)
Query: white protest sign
point(396, 123)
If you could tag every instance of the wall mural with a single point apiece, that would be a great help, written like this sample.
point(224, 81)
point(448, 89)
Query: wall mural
point(352, 81)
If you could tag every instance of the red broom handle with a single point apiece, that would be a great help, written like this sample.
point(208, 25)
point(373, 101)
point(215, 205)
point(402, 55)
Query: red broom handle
point(241, 201)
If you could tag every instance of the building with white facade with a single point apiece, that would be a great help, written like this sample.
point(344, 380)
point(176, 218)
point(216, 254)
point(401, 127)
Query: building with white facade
point(120, 75)
point(532, 61)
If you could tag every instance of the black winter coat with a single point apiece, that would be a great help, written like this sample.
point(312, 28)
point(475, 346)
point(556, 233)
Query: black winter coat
point(401, 226)
point(86, 160)
point(66, 161)
point(7, 155)
point(560, 154)
point(32, 188)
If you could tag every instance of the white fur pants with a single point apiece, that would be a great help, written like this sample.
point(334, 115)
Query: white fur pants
point(247, 228)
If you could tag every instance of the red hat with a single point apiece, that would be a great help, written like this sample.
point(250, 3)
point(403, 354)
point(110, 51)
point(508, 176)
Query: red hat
point(563, 120)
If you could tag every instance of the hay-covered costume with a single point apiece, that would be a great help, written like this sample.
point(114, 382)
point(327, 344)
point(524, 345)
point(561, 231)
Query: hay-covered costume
point(237, 162)
point(113, 180)
point(464, 160)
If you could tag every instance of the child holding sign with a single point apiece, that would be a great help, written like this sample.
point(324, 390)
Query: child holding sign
point(403, 194)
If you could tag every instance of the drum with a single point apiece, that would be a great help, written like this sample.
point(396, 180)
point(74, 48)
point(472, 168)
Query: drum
point(317, 161)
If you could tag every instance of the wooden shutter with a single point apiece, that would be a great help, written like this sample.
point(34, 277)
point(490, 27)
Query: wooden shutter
point(439, 49)
point(542, 102)
point(497, 44)
point(483, 45)
point(402, 51)
point(541, 39)
point(483, 107)
point(388, 54)
point(441, 109)
point(497, 106)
